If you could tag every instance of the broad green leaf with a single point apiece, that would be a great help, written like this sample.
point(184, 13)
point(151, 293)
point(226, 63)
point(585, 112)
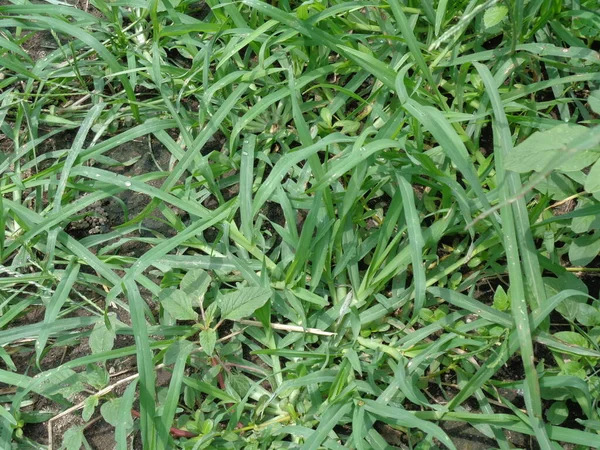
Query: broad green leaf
point(326, 116)
point(178, 304)
point(243, 302)
point(573, 369)
point(96, 376)
point(586, 23)
point(592, 181)
point(570, 308)
point(65, 382)
point(553, 148)
point(230, 436)
point(494, 15)
point(238, 384)
point(584, 249)
point(102, 338)
point(567, 281)
point(208, 338)
point(73, 438)
point(501, 299)
point(195, 283)
point(587, 315)
point(557, 186)
point(572, 338)
point(557, 413)
point(176, 349)
point(347, 126)
point(569, 387)
point(89, 406)
point(110, 413)
point(585, 222)
point(211, 312)
point(124, 415)
point(594, 101)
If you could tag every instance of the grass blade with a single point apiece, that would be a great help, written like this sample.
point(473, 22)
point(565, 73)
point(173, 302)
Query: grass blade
point(145, 365)
point(510, 227)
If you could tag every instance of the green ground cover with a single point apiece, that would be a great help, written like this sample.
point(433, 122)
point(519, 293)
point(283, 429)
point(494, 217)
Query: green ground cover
point(306, 225)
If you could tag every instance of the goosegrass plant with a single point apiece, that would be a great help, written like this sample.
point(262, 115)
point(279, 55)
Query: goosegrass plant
point(374, 219)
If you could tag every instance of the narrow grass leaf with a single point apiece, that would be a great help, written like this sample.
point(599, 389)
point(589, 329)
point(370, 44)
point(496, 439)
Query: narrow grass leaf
point(208, 389)
point(173, 394)
point(246, 184)
point(350, 158)
point(207, 132)
point(124, 415)
point(511, 226)
point(329, 420)
point(286, 163)
point(58, 299)
point(472, 305)
point(72, 155)
point(407, 419)
point(145, 365)
point(416, 243)
point(443, 132)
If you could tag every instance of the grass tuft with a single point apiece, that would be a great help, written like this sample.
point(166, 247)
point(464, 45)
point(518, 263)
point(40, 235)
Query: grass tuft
point(309, 225)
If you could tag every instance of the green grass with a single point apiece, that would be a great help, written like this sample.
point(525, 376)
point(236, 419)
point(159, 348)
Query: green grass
point(330, 224)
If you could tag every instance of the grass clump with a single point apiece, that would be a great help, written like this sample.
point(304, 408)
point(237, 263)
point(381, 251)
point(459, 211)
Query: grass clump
point(307, 225)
